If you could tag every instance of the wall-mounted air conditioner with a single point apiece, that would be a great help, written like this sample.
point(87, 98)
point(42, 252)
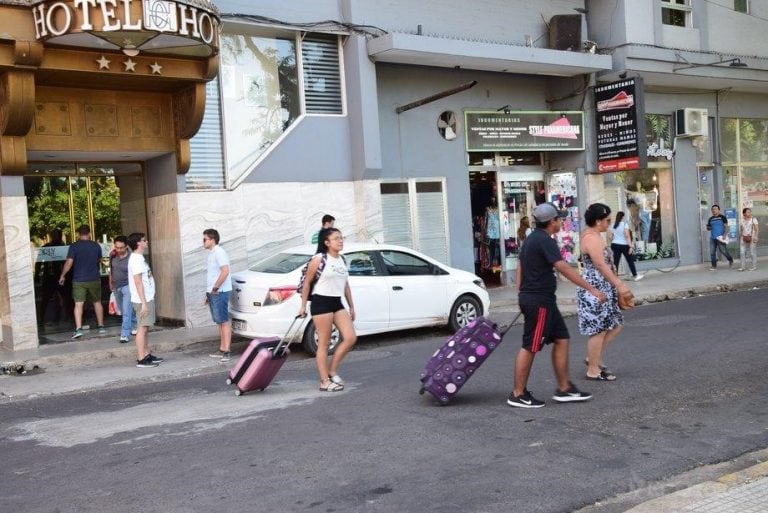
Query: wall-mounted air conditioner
point(691, 122)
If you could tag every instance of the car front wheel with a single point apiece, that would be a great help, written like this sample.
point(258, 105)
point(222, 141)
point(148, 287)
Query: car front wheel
point(310, 339)
point(465, 310)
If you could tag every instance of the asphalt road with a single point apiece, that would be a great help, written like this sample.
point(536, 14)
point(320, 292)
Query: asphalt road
point(691, 391)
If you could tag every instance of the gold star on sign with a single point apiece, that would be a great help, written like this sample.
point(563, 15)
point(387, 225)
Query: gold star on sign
point(103, 62)
point(129, 65)
point(156, 68)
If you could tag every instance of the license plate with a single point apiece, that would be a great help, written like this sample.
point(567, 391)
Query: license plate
point(238, 324)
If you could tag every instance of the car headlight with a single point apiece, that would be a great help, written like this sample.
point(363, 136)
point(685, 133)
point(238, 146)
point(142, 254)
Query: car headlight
point(277, 295)
point(480, 283)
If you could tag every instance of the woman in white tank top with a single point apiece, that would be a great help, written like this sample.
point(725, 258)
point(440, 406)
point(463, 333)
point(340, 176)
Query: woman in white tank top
point(749, 227)
point(327, 273)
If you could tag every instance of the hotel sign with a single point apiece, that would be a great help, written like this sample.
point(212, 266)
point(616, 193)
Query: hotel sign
point(138, 20)
point(524, 130)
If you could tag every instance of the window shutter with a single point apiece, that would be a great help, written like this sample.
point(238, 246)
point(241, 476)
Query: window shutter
point(396, 211)
point(207, 167)
point(430, 220)
point(322, 78)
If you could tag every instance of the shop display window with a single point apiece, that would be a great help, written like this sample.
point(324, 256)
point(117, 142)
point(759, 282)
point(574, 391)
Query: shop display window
point(562, 192)
point(744, 148)
point(646, 198)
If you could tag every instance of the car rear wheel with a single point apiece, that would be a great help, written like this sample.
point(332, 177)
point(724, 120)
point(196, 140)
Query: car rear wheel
point(310, 339)
point(465, 310)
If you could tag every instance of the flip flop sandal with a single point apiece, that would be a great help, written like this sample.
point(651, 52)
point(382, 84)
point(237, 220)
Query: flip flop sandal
point(603, 376)
point(602, 367)
point(336, 379)
point(332, 387)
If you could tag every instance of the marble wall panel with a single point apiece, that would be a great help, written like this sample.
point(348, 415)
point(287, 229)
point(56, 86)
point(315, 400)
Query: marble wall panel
point(165, 256)
point(17, 295)
point(198, 211)
point(256, 220)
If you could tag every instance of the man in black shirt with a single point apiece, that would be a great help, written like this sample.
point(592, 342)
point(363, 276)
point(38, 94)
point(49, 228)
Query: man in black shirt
point(536, 284)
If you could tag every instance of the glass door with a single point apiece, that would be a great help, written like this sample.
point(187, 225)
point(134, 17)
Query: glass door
point(60, 199)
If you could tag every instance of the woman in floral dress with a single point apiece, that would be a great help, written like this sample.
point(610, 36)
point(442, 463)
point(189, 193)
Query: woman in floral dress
point(601, 322)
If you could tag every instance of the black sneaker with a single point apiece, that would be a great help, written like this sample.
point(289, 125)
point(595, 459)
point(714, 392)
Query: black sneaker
point(526, 400)
point(146, 362)
point(155, 359)
point(226, 356)
point(571, 395)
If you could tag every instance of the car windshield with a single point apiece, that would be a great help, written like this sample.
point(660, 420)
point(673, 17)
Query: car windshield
point(281, 263)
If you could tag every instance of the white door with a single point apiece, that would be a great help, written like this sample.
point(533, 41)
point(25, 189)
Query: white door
point(417, 292)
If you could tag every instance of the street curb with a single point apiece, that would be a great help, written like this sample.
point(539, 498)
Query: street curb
point(657, 297)
point(678, 501)
point(160, 342)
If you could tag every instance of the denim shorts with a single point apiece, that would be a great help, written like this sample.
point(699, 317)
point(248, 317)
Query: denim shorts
point(218, 304)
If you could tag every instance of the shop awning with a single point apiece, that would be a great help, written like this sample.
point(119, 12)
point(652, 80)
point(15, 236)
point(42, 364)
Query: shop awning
point(500, 58)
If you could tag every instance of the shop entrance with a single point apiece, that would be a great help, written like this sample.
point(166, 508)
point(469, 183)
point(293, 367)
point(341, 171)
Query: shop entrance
point(486, 227)
point(501, 207)
point(61, 197)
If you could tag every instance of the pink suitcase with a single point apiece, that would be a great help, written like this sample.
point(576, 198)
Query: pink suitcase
point(260, 363)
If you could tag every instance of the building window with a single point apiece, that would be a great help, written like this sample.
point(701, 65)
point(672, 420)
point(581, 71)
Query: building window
point(206, 171)
point(259, 94)
point(414, 215)
point(322, 75)
point(262, 89)
point(676, 12)
point(741, 6)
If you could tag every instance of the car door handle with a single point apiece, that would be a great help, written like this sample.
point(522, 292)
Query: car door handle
point(397, 287)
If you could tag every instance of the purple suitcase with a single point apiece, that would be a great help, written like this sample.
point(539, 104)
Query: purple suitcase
point(458, 359)
point(260, 363)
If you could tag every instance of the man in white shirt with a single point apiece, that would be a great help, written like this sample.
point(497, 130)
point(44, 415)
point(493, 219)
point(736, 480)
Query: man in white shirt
point(142, 288)
point(217, 293)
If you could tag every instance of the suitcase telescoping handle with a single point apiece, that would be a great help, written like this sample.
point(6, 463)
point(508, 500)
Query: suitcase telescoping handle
point(282, 346)
point(505, 329)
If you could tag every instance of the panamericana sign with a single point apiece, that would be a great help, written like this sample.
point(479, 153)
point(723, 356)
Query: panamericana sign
point(524, 130)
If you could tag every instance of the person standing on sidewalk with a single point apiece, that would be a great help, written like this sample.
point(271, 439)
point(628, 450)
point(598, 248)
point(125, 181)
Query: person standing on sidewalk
point(84, 258)
point(142, 288)
point(327, 222)
point(536, 285)
point(118, 284)
point(601, 322)
point(717, 225)
point(748, 239)
point(217, 293)
point(621, 239)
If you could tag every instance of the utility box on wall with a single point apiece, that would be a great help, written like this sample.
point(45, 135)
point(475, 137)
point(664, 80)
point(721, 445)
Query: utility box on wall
point(565, 32)
point(691, 122)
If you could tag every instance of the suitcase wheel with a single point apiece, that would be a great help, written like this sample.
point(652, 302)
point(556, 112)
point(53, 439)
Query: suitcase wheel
point(229, 381)
point(422, 390)
point(238, 392)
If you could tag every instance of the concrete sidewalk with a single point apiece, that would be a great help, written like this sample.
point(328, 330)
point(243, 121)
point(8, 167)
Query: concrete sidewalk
point(101, 362)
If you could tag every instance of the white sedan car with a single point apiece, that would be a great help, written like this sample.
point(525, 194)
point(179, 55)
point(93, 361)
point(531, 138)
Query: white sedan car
point(394, 288)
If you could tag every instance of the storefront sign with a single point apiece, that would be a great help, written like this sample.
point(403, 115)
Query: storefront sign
point(524, 131)
point(137, 20)
point(620, 126)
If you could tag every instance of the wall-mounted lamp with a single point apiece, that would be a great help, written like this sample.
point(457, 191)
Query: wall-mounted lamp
point(129, 48)
point(733, 63)
point(506, 109)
